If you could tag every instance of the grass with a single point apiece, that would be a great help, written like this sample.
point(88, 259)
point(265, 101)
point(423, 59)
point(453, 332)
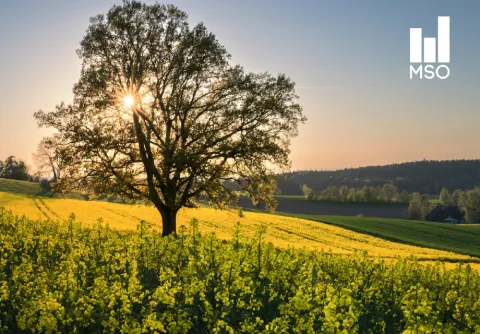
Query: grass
point(31, 189)
point(282, 231)
point(20, 187)
point(297, 197)
point(463, 239)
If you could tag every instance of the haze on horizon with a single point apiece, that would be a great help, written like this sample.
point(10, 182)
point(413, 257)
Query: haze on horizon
point(350, 62)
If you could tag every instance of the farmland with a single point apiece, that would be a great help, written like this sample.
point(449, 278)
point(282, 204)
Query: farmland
point(299, 205)
point(62, 277)
point(456, 238)
point(282, 231)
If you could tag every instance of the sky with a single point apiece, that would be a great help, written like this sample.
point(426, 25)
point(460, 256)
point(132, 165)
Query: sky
point(349, 59)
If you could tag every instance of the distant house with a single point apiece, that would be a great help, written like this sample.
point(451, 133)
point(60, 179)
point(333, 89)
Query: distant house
point(451, 220)
point(448, 214)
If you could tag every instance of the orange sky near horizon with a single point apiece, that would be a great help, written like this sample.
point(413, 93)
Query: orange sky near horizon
point(353, 84)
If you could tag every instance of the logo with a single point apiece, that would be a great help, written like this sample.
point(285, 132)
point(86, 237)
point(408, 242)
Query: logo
point(436, 52)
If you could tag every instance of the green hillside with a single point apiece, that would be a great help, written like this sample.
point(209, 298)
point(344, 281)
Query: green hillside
point(457, 238)
point(20, 187)
point(31, 189)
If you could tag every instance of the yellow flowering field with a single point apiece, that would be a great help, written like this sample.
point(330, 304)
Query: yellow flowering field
point(282, 231)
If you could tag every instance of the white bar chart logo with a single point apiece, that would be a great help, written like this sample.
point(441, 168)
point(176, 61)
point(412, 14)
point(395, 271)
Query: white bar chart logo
point(431, 50)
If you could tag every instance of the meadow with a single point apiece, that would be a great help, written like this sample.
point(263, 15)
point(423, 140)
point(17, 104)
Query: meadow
point(463, 238)
point(20, 187)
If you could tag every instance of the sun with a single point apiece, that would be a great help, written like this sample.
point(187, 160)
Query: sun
point(128, 101)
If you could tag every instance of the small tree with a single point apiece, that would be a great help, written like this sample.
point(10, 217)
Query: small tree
point(308, 193)
point(415, 207)
point(48, 158)
point(426, 206)
point(159, 113)
point(404, 197)
point(389, 192)
point(445, 197)
point(344, 191)
point(419, 207)
point(352, 195)
point(457, 197)
point(367, 194)
point(471, 206)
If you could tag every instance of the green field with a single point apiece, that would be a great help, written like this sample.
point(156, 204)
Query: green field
point(32, 189)
point(456, 238)
point(20, 187)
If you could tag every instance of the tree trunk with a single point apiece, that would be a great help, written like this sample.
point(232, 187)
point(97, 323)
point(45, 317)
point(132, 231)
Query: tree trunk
point(169, 222)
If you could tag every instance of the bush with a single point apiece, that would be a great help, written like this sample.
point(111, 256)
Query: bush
point(45, 184)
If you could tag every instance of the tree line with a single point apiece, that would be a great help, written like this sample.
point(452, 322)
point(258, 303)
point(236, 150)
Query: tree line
point(48, 165)
point(14, 169)
point(388, 193)
point(465, 202)
point(425, 177)
point(468, 203)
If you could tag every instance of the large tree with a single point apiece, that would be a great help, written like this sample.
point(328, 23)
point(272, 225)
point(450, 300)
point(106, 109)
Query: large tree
point(160, 113)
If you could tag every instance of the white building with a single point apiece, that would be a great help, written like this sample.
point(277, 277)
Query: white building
point(451, 220)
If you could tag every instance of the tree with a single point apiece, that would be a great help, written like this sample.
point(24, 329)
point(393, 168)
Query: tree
point(418, 207)
point(352, 195)
point(308, 193)
point(425, 205)
point(14, 169)
point(471, 206)
point(457, 197)
point(415, 207)
point(48, 157)
point(404, 197)
point(344, 193)
point(445, 197)
point(389, 192)
point(160, 114)
point(332, 193)
point(367, 194)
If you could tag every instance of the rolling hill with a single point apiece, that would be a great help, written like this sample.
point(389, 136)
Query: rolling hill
point(457, 238)
point(20, 187)
point(282, 231)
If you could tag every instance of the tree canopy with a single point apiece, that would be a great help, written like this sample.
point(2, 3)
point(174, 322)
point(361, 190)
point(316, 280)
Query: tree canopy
point(48, 158)
point(426, 177)
point(160, 113)
point(14, 169)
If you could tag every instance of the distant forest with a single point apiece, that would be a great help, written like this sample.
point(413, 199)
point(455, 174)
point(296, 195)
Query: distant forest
point(426, 177)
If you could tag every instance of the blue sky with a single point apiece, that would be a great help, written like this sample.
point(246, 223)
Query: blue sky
point(350, 60)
